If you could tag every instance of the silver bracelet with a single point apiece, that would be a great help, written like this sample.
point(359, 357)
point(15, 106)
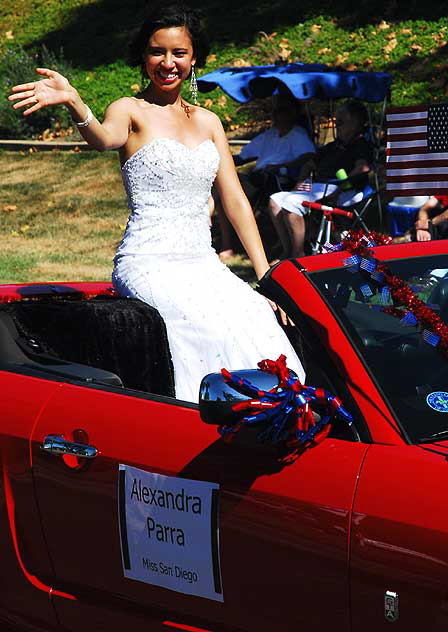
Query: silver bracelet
point(88, 120)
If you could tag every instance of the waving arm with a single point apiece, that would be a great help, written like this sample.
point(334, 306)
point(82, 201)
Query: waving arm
point(55, 89)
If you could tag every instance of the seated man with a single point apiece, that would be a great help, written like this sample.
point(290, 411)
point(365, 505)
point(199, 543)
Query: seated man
point(350, 152)
point(283, 144)
point(431, 222)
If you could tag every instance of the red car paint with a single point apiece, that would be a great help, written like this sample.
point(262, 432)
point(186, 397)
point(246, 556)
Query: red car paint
point(313, 545)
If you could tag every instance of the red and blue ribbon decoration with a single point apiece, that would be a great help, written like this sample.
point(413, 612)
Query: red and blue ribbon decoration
point(285, 410)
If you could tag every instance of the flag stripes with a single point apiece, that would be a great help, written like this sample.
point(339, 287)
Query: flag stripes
point(417, 150)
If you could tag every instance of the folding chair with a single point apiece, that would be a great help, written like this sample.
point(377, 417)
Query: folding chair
point(326, 226)
point(279, 178)
point(338, 216)
point(361, 185)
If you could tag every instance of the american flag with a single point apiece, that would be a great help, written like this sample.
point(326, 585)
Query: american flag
point(417, 150)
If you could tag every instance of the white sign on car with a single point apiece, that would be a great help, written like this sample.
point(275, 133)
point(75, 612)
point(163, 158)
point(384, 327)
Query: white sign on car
point(169, 532)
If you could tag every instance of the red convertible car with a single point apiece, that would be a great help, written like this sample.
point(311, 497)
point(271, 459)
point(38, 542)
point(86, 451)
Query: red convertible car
point(122, 509)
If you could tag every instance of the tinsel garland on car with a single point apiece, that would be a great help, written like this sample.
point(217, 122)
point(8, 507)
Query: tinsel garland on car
point(407, 306)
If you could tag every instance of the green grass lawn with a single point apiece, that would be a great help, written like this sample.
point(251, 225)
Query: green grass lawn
point(61, 215)
point(409, 42)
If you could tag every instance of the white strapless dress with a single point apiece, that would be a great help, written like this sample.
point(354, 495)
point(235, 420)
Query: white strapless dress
point(213, 318)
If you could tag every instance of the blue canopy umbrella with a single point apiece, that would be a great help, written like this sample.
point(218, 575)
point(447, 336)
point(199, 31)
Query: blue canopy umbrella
point(304, 81)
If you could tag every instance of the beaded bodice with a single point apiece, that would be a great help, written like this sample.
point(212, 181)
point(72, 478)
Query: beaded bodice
point(168, 185)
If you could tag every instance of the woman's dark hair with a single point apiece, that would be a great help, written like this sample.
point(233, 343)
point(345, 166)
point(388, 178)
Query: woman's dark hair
point(164, 16)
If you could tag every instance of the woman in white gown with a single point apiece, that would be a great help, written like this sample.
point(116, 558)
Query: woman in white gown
point(171, 152)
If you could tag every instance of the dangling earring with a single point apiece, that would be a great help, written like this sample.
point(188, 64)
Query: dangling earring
point(193, 86)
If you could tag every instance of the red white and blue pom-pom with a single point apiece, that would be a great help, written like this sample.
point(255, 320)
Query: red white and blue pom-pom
point(284, 411)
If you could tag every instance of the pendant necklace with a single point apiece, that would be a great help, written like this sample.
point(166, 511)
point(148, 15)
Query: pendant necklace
point(186, 108)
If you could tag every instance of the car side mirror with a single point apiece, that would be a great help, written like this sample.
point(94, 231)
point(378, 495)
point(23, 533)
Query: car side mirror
point(274, 398)
point(216, 397)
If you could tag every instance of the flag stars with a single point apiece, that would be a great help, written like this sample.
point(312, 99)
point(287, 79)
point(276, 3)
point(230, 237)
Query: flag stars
point(417, 159)
point(438, 127)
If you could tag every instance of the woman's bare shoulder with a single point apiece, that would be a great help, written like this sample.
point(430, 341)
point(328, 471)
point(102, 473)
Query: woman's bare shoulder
point(121, 107)
point(210, 121)
point(206, 115)
point(126, 103)
point(137, 112)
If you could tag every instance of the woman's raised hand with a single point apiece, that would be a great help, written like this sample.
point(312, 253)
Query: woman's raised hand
point(53, 89)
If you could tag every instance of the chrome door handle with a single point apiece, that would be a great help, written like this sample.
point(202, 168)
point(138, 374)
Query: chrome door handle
point(56, 444)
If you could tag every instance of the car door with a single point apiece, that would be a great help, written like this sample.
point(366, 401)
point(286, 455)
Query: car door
point(283, 530)
point(26, 572)
point(399, 564)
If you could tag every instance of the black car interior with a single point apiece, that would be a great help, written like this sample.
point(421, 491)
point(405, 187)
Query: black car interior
point(105, 340)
